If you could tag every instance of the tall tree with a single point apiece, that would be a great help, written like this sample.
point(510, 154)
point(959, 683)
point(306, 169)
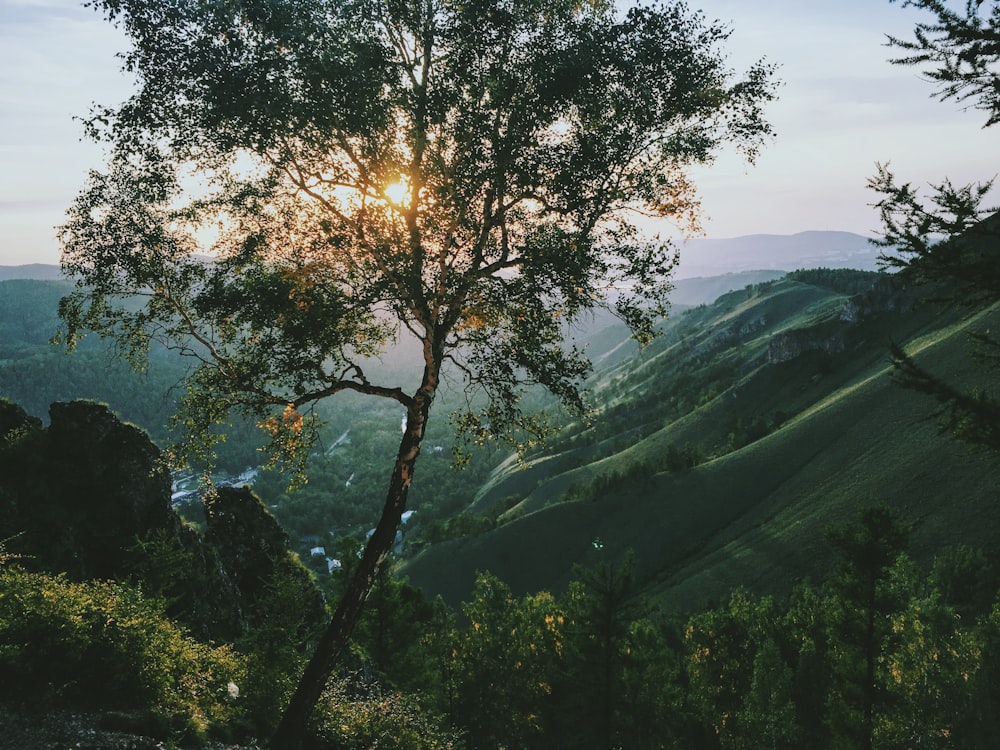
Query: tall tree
point(297, 183)
point(600, 608)
point(504, 663)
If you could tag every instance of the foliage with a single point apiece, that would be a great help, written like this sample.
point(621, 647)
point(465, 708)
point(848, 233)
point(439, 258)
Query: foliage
point(462, 174)
point(964, 45)
point(949, 239)
point(719, 644)
point(34, 374)
point(354, 715)
point(502, 665)
point(508, 227)
point(105, 645)
point(568, 672)
point(6, 556)
point(868, 547)
point(973, 417)
point(394, 635)
point(873, 656)
point(601, 609)
point(282, 629)
point(944, 239)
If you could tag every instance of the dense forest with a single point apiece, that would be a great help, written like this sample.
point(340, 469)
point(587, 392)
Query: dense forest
point(880, 654)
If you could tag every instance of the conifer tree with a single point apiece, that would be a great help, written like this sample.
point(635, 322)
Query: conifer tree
point(863, 603)
point(948, 239)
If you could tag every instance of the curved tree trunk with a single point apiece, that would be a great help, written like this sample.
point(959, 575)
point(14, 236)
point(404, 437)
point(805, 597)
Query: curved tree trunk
point(291, 731)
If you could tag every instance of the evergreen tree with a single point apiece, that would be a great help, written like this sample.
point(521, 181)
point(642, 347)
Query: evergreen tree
point(948, 240)
point(861, 604)
point(600, 608)
point(962, 48)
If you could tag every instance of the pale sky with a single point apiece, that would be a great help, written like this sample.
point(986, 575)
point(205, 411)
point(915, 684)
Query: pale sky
point(842, 108)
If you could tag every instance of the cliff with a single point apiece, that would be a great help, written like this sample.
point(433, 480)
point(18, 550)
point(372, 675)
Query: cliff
point(90, 497)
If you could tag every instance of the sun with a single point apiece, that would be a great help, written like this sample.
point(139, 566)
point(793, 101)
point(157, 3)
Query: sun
point(398, 192)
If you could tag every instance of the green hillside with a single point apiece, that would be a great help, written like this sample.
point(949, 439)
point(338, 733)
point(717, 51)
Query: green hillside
point(781, 396)
point(719, 453)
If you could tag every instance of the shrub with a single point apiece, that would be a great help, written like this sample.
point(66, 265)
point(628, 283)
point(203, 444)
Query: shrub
point(106, 645)
point(362, 716)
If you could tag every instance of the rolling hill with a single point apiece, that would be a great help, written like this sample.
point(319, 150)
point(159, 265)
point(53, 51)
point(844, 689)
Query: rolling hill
point(721, 453)
point(718, 454)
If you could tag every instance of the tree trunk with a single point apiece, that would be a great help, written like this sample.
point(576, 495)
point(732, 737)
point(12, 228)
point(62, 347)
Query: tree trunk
point(291, 731)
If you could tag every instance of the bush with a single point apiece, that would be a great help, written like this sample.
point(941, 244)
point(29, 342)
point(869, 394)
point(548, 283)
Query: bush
point(355, 715)
point(106, 645)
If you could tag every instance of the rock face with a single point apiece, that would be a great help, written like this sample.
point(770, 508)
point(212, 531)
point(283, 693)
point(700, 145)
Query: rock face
point(253, 551)
point(884, 296)
point(787, 345)
point(81, 492)
point(90, 497)
point(110, 482)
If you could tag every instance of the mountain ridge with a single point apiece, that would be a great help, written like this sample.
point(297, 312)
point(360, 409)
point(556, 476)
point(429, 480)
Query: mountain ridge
point(786, 252)
point(753, 513)
point(700, 256)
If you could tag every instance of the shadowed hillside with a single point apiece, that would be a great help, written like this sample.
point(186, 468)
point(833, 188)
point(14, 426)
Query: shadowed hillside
point(721, 452)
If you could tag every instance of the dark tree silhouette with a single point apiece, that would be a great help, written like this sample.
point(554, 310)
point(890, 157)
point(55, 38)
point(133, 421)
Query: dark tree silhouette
point(949, 239)
point(297, 183)
point(962, 50)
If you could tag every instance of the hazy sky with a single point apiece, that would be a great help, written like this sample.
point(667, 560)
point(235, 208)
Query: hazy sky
point(842, 108)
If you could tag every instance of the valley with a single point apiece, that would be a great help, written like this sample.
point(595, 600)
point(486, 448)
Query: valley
point(721, 453)
point(764, 412)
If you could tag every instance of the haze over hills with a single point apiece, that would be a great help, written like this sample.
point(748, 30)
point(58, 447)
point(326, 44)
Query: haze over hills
point(34, 271)
point(814, 249)
point(699, 257)
point(721, 453)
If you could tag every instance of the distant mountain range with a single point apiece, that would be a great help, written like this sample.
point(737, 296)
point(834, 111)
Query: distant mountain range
point(710, 257)
point(699, 257)
point(33, 271)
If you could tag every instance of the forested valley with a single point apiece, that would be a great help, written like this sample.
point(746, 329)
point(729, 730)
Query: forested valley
point(888, 642)
point(331, 239)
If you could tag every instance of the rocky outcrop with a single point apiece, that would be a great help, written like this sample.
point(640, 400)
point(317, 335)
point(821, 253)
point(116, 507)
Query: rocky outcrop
point(884, 296)
point(90, 497)
point(110, 480)
point(15, 422)
point(742, 328)
point(787, 345)
point(81, 492)
point(254, 551)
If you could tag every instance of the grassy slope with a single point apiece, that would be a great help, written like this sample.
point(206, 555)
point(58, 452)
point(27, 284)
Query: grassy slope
point(644, 377)
point(755, 516)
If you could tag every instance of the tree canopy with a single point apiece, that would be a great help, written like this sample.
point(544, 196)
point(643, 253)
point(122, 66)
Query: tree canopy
point(962, 48)
point(948, 238)
point(297, 183)
point(467, 171)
